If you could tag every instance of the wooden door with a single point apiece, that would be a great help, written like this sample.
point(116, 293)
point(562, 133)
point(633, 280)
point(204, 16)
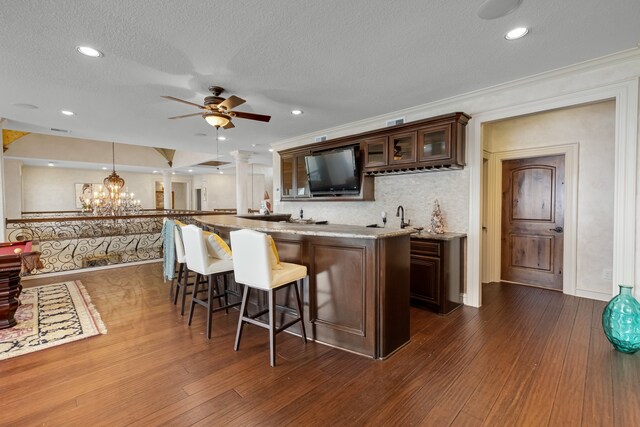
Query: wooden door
point(533, 221)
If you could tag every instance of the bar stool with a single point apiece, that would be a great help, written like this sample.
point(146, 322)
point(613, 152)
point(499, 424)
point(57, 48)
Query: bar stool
point(256, 265)
point(182, 281)
point(202, 260)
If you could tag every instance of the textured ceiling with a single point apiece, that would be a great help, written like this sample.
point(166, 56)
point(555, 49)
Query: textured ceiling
point(339, 61)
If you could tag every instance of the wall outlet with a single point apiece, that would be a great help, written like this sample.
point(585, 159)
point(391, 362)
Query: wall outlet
point(607, 273)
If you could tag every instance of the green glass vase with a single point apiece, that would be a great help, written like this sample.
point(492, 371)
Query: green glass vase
point(621, 321)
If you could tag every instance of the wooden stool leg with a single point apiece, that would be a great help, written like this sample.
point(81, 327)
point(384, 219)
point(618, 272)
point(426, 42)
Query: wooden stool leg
point(225, 288)
point(193, 296)
point(243, 309)
point(272, 328)
point(209, 306)
point(178, 287)
point(299, 302)
point(174, 280)
point(184, 291)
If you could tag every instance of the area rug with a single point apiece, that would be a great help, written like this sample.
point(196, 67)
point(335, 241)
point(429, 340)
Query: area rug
point(48, 316)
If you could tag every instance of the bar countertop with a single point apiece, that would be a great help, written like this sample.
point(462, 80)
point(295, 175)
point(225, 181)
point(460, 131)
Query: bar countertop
point(324, 230)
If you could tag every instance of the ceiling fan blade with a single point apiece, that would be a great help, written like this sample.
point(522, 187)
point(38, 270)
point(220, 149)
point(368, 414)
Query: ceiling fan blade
point(231, 102)
point(229, 125)
point(186, 115)
point(183, 101)
point(252, 116)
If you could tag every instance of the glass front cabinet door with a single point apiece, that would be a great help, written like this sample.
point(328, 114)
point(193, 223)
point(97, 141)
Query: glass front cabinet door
point(295, 184)
point(302, 180)
point(402, 148)
point(375, 152)
point(286, 168)
point(434, 144)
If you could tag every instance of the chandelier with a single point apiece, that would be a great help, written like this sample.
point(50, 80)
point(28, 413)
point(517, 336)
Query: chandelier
point(113, 199)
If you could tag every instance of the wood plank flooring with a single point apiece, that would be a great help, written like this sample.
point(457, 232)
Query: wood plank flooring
point(528, 357)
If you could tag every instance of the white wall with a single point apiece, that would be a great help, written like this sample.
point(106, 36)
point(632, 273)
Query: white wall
point(53, 189)
point(179, 195)
point(221, 190)
point(13, 188)
point(592, 127)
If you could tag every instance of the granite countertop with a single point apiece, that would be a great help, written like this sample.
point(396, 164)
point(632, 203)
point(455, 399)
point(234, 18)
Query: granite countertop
point(325, 230)
point(444, 236)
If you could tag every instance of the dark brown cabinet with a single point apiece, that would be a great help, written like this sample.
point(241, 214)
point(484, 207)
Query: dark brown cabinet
point(295, 184)
point(402, 148)
point(436, 273)
point(375, 152)
point(434, 144)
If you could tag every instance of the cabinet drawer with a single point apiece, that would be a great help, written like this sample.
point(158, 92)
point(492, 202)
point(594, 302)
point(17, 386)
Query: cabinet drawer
point(426, 247)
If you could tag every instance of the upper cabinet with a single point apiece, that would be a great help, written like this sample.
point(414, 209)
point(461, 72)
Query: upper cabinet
point(295, 184)
point(437, 143)
point(375, 152)
point(432, 144)
point(402, 148)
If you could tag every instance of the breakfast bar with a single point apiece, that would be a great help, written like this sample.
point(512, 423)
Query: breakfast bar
point(356, 297)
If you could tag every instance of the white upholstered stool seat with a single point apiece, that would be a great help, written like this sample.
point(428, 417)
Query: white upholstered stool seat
point(256, 265)
point(204, 263)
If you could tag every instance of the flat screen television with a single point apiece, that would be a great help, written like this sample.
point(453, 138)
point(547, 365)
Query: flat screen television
point(334, 172)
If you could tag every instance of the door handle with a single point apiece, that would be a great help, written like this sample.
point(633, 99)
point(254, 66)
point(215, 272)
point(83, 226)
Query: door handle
point(557, 229)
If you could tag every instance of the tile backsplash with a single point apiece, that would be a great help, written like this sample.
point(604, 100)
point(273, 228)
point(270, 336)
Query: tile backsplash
point(415, 192)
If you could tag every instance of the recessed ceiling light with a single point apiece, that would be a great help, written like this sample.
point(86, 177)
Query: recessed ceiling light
point(104, 168)
point(271, 150)
point(155, 171)
point(254, 145)
point(89, 51)
point(516, 33)
point(221, 172)
point(222, 138)
point(297, 112)
point(173, 173)
point(190, 170)
point(26, 106)
point(68, 113)
point(51, 164)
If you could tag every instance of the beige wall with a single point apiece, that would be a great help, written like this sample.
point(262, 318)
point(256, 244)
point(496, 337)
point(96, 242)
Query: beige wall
point(221, 190)
point(13, 188)
point(592, 127)
point(52, 189)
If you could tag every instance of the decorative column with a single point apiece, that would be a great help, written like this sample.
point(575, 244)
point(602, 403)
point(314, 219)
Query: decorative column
point(166, 182)
point(242, 178)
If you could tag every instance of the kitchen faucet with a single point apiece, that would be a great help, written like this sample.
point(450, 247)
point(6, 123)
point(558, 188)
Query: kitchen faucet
point(402, 223)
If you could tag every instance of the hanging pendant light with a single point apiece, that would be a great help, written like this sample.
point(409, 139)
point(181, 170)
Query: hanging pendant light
point(112, 200)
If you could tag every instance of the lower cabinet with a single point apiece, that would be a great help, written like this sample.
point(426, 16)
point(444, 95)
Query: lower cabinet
point(436, 273)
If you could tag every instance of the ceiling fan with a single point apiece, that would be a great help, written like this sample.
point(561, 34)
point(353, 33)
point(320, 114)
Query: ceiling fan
point(218, 111)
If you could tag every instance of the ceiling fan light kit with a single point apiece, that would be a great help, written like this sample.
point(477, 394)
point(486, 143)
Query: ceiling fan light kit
point(217, 119)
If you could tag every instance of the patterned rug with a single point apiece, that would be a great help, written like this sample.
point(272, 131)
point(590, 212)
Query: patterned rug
point(51, 315)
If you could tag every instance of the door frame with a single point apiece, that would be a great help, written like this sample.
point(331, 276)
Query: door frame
point(626, 97)
point(494, 208)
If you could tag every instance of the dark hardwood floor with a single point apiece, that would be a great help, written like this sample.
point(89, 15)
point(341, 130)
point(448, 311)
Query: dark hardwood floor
point(527, 357)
